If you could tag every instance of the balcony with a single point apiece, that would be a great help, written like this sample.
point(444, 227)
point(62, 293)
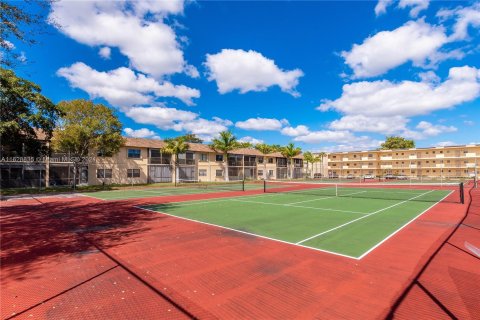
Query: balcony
point(345, 159)
point(386, 166)
point(470, 165)
point(440, 156)
point(235, 163)
point(158, 160)
point(470, 155)
point(186, 161)
point(250, 164)
point(412, 157)
point(385, 158)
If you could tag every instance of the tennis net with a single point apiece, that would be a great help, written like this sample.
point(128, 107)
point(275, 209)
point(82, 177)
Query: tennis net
point(221, 186)
point(453, 192)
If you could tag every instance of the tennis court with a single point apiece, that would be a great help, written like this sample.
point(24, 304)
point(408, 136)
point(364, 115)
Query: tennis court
point(184, 188)
point(347, 220)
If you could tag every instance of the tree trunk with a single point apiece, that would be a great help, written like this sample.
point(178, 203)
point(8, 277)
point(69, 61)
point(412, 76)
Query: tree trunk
point(265, 176)
point(225, 159)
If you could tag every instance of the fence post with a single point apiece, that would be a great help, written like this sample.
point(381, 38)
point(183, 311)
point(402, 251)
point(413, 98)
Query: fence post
point(462, 195)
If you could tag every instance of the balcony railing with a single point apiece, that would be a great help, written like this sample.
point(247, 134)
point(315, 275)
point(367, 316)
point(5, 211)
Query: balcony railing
point(159, 160)
point(186, 161)
point(250, 164)
point(235, 163)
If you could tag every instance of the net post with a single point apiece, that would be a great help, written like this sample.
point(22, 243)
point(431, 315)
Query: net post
point(243, 185)
point(336, 189)
point(264, 186)
point(462, 195)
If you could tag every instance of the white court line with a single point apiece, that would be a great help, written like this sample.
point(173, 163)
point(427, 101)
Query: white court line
point(206, 201)
point(249, 233)
point(294, 206)
point(406, 224)
point(343, 195)
point(363, 217)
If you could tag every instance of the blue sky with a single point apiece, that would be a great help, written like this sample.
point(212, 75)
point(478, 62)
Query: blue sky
point(325, 75)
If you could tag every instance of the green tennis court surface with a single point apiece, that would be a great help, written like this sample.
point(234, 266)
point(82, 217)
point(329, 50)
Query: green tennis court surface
point(196, 188)
point(349, 222)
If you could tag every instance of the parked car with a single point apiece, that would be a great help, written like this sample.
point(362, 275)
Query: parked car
point(402, 177)
point(332, 176)
point(317, 176)
point(369, 176)
point(350, 176)
point(389, 177)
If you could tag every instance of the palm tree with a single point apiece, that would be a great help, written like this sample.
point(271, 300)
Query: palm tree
point(320, 158)
point(289, 152)
point(309, 158)
point(225, 143)
point(175, 147)
point(264, 149)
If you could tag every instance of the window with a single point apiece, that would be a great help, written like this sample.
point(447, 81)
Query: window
point(219, 158)
point(134, 153)
point(203, 157)
point(202, 172)
point(260, 172)
point(133, 173)
point(370, 155)
point(270, 160)
point(270, 173)
point(334, 157)
point(260, 159)
point(104, 173)
point(155, 153)
point(218, 173)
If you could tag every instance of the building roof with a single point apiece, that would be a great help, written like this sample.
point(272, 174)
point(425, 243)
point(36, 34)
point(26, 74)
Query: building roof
point(197, 147)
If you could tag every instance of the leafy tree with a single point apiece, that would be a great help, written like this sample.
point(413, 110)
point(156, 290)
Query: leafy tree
point(23, 110)
point(394, 142)
point(225, 143)
point(276, 147)
point(190, 137)
point(319, 158)
point(87, 127)
point(308, 157)
point(174, 147)
point(289, 152)
point(244, 145)
point(264, 149)
point(19, 24)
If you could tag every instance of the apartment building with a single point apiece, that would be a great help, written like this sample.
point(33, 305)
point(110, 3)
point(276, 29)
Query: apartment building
point(435, 162)
point(142, 161)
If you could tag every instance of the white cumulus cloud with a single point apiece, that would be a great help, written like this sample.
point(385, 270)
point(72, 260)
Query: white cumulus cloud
point(261, 124)
point(252, 140)
point(418, 40)
point(362, 123)
point(105, 52)
point(415, 5)
point(295, 131)
point(430, 129)
point(407, 98)
point(249, 71)
point(137, 29)
point(123, 87)
point(465, 17)
point(141, 133)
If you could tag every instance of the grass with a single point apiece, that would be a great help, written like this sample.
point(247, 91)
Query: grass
point(346, 226)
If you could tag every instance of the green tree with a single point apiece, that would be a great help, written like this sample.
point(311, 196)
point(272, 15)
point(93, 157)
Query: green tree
point(86, 127)
point(23, 109)
point(225, 143)
point(308, 157)
point(395, 142)
point(190, 137)
point(20, 24)
point(289, 152)
point(264, 149)
point(244, 144)
point(174, 147)
point(319, 158)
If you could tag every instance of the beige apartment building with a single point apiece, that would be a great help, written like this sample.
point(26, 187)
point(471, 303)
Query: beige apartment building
point(452, 161)
point(141, 161)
